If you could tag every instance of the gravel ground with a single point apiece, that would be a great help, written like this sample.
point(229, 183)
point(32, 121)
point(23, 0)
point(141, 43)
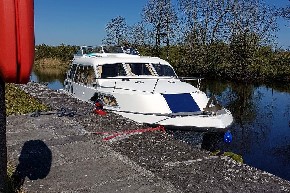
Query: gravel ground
point(185, 167)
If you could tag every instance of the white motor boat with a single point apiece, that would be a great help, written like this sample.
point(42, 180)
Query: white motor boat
point(144, 89)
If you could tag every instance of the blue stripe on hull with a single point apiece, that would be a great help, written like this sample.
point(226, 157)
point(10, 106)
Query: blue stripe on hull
point(181, 103)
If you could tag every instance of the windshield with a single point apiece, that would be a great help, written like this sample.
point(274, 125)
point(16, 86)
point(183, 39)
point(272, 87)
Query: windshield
point(91, 49)
point(141, 69)
point(113, 49)
point(112, 70)
point(163, 70)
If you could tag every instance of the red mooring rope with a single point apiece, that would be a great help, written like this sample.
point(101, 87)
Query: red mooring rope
point(100, 111)
point(128, 132)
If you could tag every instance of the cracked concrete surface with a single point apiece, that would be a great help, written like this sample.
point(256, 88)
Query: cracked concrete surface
point(142, 162)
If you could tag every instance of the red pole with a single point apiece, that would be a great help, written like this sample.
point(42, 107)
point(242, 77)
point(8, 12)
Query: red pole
point(16, 59)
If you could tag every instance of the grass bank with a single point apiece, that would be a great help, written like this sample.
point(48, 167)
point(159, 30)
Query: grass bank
point(50, 64)
point(18, 102)
point(57, 57)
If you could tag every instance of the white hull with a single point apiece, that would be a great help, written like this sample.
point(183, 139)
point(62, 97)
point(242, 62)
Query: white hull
point(152, 108)
point(198, 122)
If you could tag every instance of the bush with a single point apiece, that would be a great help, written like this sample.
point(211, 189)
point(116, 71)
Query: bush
point(18, 102)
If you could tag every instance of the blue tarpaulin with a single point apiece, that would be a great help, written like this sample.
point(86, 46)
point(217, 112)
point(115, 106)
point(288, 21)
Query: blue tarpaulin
point(181, 103)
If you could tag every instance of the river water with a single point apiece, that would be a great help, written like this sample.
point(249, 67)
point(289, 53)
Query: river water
point(261, 128)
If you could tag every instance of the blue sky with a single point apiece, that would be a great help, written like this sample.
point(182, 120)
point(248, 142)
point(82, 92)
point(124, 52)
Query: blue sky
point(82, 22)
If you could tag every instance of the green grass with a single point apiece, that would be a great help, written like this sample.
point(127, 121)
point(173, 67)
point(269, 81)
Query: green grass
point(18, 102)
point(236, 157)
point(51, 63)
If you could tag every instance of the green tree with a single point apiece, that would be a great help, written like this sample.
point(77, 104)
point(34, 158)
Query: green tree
point(285, 12)
point(207, 21)
point(211, 26)
point(162, 21)
point(136, 35)
point(116, 31)
point(243, 47)
point(204, 21)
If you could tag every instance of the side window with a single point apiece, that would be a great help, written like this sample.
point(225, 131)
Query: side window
point(79, 74)
point(91, 77)
point(72, 71)
point(109, 70)
point(140, 69)
point(76, 76)
point(121, 70)
point(84, 75)
point(163, 70)
point(112, 70)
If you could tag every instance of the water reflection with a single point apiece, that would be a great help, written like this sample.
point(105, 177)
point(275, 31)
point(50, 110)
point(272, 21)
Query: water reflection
point(261, 131)
point(53, 79)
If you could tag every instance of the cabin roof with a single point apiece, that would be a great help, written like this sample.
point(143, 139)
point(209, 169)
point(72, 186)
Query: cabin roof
point(97, 59)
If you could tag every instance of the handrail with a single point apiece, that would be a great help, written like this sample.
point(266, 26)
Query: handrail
point(190, 78)
point(140, 77)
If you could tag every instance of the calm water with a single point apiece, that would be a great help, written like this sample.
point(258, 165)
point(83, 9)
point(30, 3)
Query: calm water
point(261, 131)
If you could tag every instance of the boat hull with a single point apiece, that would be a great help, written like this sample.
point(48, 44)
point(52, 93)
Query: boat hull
point(203, 123)
point(179, 110)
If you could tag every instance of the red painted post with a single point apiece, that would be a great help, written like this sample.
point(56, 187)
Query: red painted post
point(16, 59)
point(16, 40)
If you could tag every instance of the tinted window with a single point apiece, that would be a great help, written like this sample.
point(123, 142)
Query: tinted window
point(72, 71)
point(112, 70)
point(90, 75)
point(113, 49)
point(84, 75)
point(163, 70)
point(140, 69)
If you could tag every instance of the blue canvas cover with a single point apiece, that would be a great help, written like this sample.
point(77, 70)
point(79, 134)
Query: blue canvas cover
point(181, 103)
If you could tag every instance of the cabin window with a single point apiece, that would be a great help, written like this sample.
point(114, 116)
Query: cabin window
point(79, 74)
point(163, 70)
point(85, 75)
point(140, 69)
point(112, 70)
point(76, 76)
point(72, 71)
point(90, 75)
point(79, 53)
point(113, 49)
point(88, 50)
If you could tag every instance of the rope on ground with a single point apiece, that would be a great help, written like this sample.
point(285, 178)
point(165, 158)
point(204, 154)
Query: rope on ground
point(60, 113)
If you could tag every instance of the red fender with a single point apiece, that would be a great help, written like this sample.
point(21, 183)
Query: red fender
point(16, 40)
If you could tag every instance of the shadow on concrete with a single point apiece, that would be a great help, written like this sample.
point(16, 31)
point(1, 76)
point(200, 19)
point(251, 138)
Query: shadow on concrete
point(211, 140)
point(34, 162)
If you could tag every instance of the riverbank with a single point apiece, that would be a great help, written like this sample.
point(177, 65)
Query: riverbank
point(84, 153)
point(260, 64)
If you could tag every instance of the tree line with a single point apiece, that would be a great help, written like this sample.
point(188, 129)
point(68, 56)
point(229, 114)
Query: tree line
point(62, 52)
point(232, 39)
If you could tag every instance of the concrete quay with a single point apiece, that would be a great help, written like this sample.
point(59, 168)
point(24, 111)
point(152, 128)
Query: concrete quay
point(92, 153)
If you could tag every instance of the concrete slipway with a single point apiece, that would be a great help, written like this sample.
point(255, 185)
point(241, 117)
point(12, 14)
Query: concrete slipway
point(87, 153)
